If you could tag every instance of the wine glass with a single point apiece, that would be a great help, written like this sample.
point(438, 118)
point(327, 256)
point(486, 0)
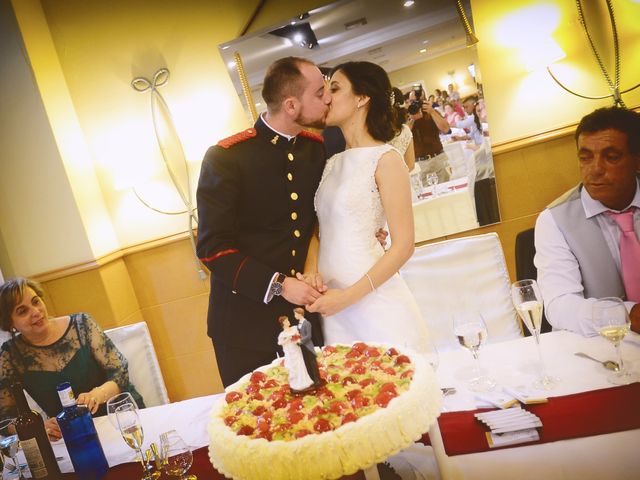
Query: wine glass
point(611, 320)
point(132, 433)
point(470, 330)
point(9, 444)
point(527, 301)
point(432, 181)
point(114, 402)
point(176, 455)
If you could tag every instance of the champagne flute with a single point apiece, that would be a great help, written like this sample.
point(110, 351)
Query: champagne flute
point(176, 456)
point(9, 444)
point(132, 432)
point(470, 330)
point(527, 301)
point(612, 321)
point(114, 402)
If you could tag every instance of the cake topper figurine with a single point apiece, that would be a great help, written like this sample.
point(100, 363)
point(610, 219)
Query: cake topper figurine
point(289, 339)
point(308, 349)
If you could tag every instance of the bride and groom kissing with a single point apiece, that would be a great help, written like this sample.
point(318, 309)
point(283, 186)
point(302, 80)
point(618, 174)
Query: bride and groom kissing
point(281, 226)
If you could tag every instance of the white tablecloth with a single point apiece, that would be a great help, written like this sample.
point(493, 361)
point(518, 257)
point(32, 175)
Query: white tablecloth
point(451, 211)
point(610, 456)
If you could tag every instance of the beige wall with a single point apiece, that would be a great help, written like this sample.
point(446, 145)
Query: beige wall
point(86, 53)
point(435, 73)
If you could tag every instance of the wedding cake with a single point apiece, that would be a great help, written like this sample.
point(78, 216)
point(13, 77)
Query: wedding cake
point(376, 401)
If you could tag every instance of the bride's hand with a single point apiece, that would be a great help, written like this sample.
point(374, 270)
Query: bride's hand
point(314, 280)
point(330, 303)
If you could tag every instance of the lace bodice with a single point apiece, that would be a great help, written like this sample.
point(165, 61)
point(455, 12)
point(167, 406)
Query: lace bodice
point(350, 212)
point(402, 140)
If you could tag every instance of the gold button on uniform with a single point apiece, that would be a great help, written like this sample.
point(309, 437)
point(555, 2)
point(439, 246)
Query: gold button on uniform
point(289, 176)
point(294, 196)
point(293, 272)
point(294, 216)
point(290, 156)
point(296, 233)
point(293, 253)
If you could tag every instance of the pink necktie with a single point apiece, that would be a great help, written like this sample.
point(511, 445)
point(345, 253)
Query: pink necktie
point(629, 254)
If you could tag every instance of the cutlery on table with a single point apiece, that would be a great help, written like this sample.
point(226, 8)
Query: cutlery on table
point(608, 364)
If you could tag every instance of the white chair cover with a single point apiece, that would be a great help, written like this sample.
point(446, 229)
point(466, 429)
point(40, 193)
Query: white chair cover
point(134, 342)
point(459, 275)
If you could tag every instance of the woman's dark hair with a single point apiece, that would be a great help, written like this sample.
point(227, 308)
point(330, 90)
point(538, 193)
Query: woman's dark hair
point(371, 80)
point(476, 119)
point(398, 107)
point(11, 293)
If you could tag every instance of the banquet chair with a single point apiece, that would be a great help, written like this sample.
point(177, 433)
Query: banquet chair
point(457, 160)
point(461, 275)
point(525, 268)
point(134, 342)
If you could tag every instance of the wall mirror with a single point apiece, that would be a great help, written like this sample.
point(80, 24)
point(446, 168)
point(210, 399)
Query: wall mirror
point(416, 43)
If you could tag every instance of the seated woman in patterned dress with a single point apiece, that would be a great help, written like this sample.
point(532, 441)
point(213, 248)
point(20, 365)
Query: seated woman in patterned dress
point(44, 351)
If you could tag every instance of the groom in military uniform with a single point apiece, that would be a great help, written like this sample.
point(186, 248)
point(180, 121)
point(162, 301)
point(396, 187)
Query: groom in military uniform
point(255, 205)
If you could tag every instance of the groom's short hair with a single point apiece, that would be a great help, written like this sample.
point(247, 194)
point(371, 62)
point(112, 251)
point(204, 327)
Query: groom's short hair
point(283, 79)
point(299, 311)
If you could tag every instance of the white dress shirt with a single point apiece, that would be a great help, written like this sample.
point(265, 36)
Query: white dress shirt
point(559, 274)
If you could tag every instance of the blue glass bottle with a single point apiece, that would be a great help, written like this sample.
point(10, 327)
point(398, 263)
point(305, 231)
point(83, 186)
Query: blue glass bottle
point(80, 437)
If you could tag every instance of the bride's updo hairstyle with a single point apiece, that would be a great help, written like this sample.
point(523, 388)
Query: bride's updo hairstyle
point(371, 80)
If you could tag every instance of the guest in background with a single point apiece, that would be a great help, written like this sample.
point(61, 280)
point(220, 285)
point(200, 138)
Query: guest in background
point(450, 115)
point(439, 97)
point(587, 240)
point(44, 351)
point(403, 141)
point(432, 100)
point(426, 125)
point(471, 122)
point(454, 96)
point(481, 110)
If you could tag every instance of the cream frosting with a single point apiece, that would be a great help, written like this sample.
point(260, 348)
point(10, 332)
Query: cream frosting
point(352, 447)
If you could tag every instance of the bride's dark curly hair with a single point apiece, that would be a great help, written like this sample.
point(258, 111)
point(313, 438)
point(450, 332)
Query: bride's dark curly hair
point(371, 80)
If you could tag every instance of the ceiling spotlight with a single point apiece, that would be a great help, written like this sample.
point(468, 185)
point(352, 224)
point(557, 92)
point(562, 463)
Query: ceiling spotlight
point(298, 38)
point(408, 3)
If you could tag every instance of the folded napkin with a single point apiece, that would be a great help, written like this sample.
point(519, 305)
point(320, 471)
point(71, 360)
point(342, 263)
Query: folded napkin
point(583, 414)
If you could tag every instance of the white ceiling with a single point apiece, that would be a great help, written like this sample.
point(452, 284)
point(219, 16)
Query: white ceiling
point(392, 37)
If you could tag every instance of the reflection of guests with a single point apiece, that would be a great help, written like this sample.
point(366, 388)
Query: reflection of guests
point(403, 140)
point(361, 188)
point(44, 351)
point(471, 122)
point(587, 240)
point(306, 345)
point(454, 95)
point(254, 248)
point(294, 362)
point(426, 126)
point(451, 116)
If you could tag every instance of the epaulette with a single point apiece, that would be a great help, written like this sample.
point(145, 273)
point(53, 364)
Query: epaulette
point(237, 138)
point(312, 136)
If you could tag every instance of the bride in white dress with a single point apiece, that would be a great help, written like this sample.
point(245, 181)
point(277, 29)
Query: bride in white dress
point(361, 189)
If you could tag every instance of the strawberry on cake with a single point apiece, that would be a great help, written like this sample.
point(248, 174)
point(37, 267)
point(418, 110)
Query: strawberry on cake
point(376, 401)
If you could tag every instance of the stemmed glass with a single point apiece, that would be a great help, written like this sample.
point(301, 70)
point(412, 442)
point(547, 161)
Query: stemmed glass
point(432, 181)
point(611, 319)
point(9, 444)
point(114, 402)
point(176, 456)
point(527, 301)
point(132, 433)
point(470, 330)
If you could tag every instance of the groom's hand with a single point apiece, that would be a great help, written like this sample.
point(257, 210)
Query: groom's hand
point(298, 292)
point(313, 279)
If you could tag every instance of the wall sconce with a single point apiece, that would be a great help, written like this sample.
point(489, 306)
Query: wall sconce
point(179, 177)
point(614, 84)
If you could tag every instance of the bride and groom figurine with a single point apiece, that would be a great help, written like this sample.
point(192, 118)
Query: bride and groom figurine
point(299, 353)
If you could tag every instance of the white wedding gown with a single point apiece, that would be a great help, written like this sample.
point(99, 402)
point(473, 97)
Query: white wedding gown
point(350, 212)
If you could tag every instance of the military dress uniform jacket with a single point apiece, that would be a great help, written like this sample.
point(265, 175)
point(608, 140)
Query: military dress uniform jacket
point(256, 217)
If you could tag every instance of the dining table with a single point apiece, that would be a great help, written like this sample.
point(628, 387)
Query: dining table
point(590, 428)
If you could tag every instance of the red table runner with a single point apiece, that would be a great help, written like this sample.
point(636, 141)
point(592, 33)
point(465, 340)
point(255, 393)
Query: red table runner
point(580, 415)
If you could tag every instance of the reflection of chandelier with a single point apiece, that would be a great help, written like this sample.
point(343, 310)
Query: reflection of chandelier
point(614, 84)
point(471, 37)
point(179, 170)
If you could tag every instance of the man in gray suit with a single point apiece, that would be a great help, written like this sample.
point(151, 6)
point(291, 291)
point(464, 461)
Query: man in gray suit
point(307, 347)
point(586, 241)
